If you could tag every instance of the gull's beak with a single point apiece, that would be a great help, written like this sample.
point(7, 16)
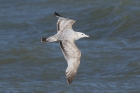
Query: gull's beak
point(87, 36)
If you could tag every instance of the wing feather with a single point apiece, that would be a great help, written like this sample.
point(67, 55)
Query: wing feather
point(72, 54)
point(63, 23)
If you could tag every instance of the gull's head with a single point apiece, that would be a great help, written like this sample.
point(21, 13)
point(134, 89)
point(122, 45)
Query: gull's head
point(81, 35)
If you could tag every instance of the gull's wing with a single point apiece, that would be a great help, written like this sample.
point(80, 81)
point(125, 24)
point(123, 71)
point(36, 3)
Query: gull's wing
point(63, 23)
point(72, 54)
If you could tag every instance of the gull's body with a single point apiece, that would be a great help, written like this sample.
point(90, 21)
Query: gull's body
point(66, 37)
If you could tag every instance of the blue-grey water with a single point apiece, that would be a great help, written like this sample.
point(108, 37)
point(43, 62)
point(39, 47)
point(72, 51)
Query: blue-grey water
point(110, 61)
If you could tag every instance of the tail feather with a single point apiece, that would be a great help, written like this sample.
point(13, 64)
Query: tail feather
point(44, 40)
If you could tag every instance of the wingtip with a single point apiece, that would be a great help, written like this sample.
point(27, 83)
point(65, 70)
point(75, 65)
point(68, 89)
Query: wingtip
point(57, 15)
point(69, 82)
point(70, 79)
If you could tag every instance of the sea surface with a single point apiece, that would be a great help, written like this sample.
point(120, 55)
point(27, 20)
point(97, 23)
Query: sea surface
point(110, 61)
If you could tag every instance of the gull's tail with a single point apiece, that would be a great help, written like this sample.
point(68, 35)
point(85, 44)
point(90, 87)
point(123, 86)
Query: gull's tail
point(49, 39)
point(44, 39)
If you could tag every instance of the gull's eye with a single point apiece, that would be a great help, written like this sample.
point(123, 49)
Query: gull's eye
point(82, 34)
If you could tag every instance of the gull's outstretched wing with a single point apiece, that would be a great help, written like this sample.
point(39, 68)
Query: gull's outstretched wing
point(72, 54)
point(63, 23)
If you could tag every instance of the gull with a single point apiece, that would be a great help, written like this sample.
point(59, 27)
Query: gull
point(66, 37)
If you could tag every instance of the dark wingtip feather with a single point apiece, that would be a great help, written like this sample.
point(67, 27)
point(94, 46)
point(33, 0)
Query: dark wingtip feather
point(70, 78)
point(69, 81)
point(56, 14)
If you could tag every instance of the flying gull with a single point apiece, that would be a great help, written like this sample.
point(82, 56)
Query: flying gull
point(66, 37)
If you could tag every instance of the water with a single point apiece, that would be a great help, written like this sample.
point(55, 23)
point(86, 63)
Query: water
point(110, 60)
